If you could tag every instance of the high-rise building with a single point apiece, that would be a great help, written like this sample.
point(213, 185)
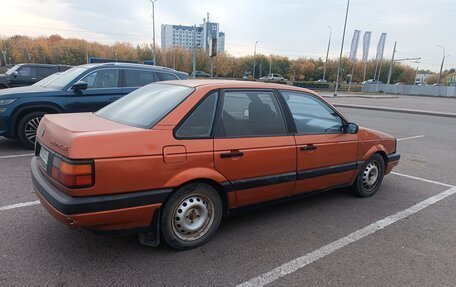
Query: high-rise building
point(188, 37)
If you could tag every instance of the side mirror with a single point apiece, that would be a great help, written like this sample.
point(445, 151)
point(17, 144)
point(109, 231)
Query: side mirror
point(351, 128)
point(15, 74)
point(246, 113)
point(78, 86)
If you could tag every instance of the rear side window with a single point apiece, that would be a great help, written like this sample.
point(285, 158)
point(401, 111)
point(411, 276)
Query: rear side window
point(166, 76)
point(43, 72)
point(139, 78)
point(199, 123)
point(247, 114)
point(146, 106)
point(311, 115)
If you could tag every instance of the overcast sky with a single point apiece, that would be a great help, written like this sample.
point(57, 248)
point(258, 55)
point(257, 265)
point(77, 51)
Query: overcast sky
point(294, 28)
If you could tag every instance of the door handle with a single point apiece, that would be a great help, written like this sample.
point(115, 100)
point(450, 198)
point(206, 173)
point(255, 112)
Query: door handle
point(233, 153)
point(308, 147)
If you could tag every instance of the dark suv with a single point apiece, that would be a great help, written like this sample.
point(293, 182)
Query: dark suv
point(85, 88)
point(28, 74)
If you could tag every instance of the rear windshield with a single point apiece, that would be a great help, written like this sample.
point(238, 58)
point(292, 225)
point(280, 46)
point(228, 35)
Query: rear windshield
point(146, 106)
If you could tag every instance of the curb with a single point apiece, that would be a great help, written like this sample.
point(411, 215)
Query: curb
point(398, 110)
point(360, 97)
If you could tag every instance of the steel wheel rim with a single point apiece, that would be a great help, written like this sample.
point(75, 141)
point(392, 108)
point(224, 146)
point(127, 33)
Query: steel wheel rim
point(31, 127)
point(371, 175)
point(193, 217)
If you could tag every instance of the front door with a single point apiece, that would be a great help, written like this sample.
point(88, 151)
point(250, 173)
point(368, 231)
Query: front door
point(103, 88)
point(326, 153)
point(26, 75)
point(252, 147)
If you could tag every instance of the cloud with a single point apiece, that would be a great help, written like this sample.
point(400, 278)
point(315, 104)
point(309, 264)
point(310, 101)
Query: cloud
point(290, 27)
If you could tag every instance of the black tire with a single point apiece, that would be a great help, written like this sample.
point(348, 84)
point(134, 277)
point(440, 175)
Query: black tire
point(26, 129)
point(370, 177)
point(191, 216)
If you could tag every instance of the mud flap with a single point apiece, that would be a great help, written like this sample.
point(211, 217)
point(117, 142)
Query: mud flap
point(151, 237)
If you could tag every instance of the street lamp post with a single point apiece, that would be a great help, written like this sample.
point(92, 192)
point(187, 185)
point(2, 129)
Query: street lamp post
point(341, 50)
point(254, 55)
point(153, 30)
point(327, 53)
point(441, 66)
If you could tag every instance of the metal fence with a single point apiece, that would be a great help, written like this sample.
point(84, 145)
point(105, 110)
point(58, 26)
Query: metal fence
point(442, 91)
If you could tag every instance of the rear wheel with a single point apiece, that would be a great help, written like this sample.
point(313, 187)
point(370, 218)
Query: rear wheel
point(191, 216)
point(27, 127)
point(370, 177)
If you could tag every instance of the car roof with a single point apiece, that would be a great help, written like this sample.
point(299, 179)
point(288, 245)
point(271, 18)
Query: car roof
point(130, 65)
point(235, 84)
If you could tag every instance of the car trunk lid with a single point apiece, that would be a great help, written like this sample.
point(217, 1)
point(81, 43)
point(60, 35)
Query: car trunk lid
point(88, 136)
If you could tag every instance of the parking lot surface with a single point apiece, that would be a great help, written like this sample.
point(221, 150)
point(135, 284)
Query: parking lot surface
point(416, 250)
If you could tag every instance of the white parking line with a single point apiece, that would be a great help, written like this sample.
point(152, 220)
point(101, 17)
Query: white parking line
point(18, 205)
point(422, 179)
point(300, 262)
point(16, 155)
point(410, 138)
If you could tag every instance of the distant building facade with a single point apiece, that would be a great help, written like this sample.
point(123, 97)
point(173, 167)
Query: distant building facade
point(188, 37)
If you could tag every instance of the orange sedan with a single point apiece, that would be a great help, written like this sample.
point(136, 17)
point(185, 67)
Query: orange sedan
point(170, 159)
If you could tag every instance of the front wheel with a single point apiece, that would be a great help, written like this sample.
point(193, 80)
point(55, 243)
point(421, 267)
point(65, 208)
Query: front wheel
point(27, 128)
point(191, 216)
point(370, 176)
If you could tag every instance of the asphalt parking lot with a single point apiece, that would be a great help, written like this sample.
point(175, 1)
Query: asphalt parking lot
point(402, 236)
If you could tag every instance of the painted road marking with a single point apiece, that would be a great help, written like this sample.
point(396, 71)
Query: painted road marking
point(422, 179)
point(19, 205)
point(410, 138)
point(300, 262)
point(16, 155)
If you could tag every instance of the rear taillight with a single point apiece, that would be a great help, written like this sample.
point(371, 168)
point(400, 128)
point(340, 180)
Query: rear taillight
point(72, 173)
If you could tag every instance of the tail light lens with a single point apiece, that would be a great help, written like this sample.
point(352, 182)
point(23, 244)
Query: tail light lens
point(72, 174)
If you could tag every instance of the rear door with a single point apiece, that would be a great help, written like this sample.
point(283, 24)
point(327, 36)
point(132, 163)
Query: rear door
point(103, 88)
point(326, 154)
point(137, 78)
point(253, 148)
point(44, 72)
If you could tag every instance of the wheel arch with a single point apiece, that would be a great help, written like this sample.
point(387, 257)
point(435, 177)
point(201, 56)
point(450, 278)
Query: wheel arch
point(205, 176)
point(378, 148)
point(22, 111)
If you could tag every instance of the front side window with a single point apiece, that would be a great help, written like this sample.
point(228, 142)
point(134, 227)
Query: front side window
point(247, 114)
point(139, 78)
point(102, 79)
point(199, 123)
point(146, 106)
point(311, 115)
point(26, 71)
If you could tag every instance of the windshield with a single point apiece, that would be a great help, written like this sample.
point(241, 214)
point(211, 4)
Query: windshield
point(65, 78)
point(46, 80)
point(11, 70)
point(146, 106)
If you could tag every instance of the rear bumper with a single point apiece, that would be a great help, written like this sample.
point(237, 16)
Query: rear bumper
point(393, 161)
point(99, 213)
